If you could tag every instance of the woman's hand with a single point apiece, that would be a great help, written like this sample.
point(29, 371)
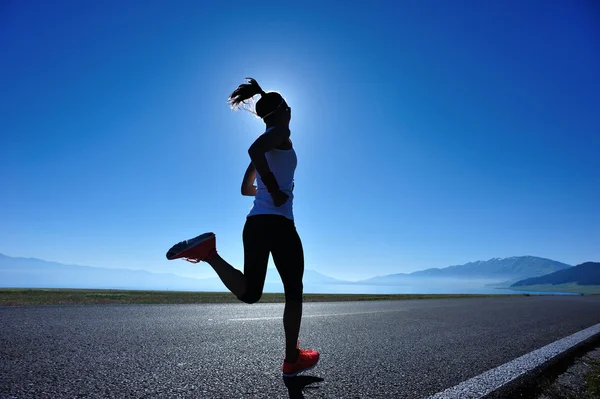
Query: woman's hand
point(279, 198)
point(249, 191)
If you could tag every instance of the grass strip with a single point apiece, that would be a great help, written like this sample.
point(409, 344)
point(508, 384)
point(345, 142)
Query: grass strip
point(25, 296)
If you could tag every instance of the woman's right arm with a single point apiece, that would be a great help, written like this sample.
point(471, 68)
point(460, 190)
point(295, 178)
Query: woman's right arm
point(248, 187)
point(257, 150)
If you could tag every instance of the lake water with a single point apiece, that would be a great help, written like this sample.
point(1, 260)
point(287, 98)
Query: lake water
point(377, 289)
point(430, 287)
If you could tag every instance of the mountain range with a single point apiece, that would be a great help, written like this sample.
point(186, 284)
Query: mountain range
point(37, 273)
point(501, 271)
point(585, 274)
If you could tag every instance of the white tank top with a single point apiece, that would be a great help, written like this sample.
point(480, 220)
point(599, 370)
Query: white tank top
point(283, 165)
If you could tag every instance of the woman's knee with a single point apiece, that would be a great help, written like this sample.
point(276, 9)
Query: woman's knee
point(294, 293)
point(250, 297)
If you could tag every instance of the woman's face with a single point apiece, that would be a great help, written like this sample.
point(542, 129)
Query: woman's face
point(287, 113)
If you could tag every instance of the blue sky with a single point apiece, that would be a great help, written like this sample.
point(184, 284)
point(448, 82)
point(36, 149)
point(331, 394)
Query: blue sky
point(428, 133)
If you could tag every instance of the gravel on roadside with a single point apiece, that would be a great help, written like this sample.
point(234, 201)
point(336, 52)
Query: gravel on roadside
point(580, 381)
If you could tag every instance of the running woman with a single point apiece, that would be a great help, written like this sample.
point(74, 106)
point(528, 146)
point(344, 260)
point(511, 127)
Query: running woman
point(269, 227)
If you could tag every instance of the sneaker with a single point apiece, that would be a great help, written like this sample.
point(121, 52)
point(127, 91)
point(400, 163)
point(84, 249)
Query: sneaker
point(302, 350)
point(307, 359)
point(195, 250)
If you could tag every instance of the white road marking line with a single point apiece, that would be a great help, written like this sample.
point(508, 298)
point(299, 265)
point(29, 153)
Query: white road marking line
point(492, 380)
point(317, 315)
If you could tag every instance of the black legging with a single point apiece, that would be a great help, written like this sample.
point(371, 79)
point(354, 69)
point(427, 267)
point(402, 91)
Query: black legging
point(277, 235)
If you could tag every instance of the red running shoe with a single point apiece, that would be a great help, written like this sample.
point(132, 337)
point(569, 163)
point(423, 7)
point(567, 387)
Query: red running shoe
point(307, 359)
point(195, 250)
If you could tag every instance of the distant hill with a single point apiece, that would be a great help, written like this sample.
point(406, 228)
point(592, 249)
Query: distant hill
point(37, 273)
point(585, 274)
point(497, 269)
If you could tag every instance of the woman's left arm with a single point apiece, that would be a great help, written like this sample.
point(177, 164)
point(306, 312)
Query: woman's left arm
point(248, 187)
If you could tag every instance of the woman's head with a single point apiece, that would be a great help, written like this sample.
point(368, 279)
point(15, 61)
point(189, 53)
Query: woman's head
point(271, 107)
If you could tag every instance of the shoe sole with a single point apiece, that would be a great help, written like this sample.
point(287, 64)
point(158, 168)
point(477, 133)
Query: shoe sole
point(301, 371)
point(171, 254)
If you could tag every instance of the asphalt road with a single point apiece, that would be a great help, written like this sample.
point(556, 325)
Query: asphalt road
point(391, 349)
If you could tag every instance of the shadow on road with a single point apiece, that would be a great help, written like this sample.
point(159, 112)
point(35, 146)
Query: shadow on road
point(296, 385)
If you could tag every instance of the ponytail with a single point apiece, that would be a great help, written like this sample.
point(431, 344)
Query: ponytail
point(242, 96)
